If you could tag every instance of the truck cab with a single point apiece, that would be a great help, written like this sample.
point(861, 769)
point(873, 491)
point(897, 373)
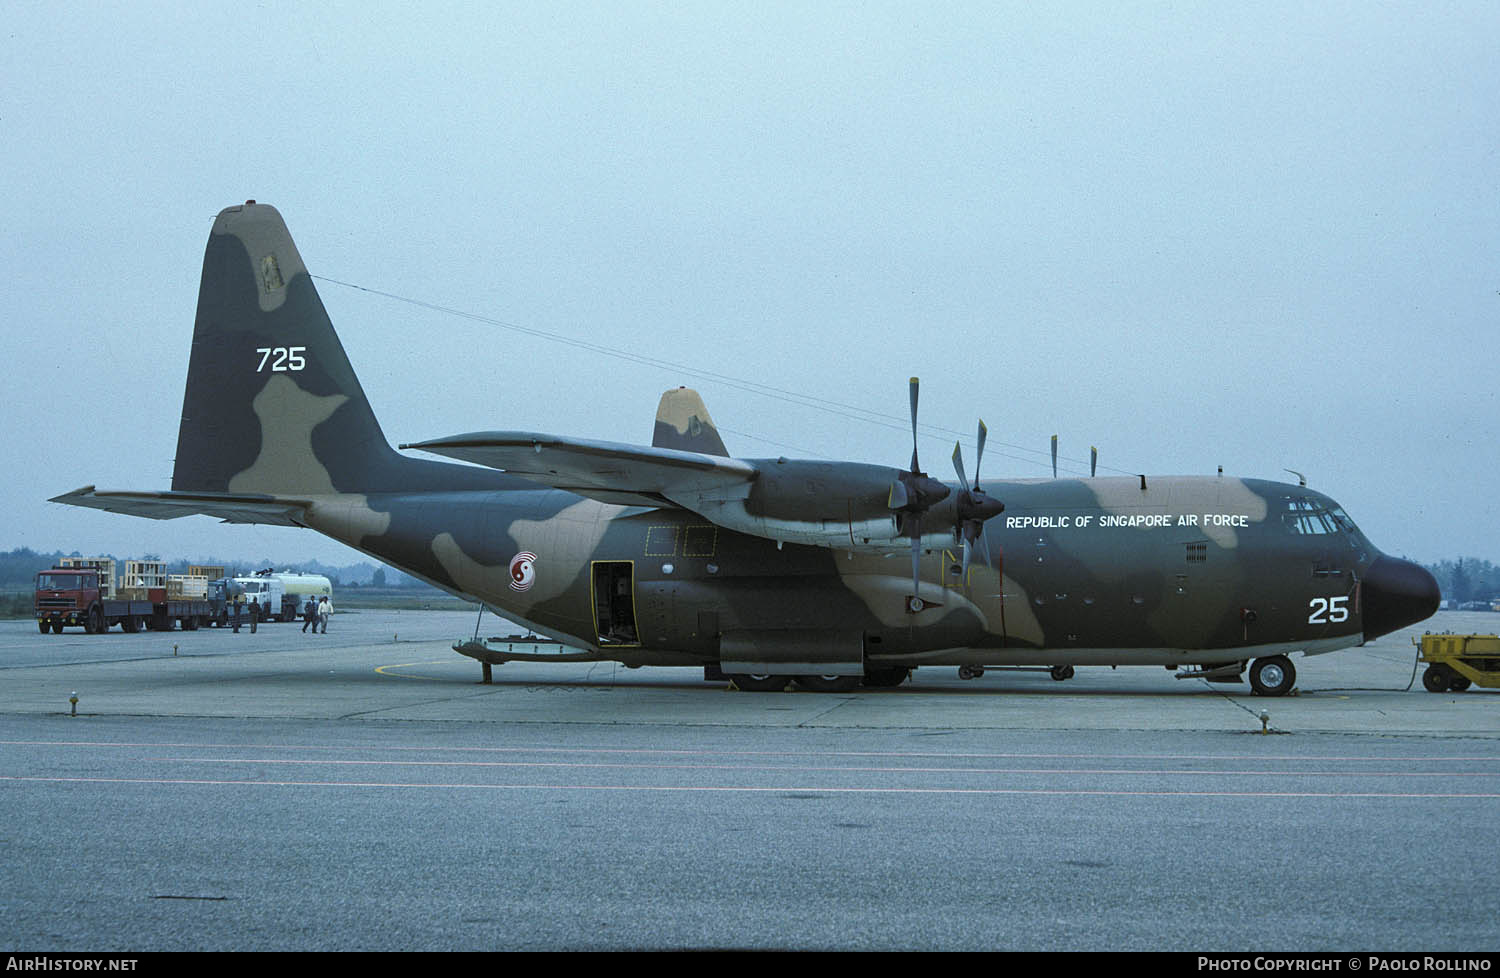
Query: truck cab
point(269, 594)
point(65, 596)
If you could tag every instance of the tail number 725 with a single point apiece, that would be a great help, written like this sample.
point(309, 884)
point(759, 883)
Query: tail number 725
point(1325, 611)
point(285, 357)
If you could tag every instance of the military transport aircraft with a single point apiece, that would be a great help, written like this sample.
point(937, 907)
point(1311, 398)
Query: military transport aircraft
point(763, 571)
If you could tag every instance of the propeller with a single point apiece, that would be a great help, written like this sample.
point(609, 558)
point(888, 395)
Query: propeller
point(974, 506)
point(912, 494)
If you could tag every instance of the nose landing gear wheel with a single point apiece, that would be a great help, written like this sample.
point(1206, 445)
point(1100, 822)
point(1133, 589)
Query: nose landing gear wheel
point(1272, 676)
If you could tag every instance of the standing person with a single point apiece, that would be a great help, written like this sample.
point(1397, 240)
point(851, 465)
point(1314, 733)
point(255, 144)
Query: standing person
point(310, 614)
point(239, 607)
point(254, 615)
point(324, 610)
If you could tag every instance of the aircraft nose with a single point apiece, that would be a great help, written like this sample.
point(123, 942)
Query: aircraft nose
point(1396, 593)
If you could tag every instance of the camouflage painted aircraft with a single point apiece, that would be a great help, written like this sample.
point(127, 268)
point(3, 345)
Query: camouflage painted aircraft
point(763, 571)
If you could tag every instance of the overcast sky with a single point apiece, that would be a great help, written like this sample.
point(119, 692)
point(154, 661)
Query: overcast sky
point(1262, 236)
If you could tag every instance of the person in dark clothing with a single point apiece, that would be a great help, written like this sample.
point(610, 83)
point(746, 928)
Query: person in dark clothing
point(310, 615)
point(239, 608)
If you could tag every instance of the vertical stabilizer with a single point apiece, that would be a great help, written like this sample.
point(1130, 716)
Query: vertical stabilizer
point(682, 422)
point(272, 404)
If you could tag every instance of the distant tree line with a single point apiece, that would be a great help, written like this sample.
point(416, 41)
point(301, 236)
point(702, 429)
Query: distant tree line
point(1467, 579)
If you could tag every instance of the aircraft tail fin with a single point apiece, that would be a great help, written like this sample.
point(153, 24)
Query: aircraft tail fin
point(682, 422)
point(272, 403)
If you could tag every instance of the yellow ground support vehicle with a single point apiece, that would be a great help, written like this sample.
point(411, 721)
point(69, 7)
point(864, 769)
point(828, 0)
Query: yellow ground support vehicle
point(1456, 661)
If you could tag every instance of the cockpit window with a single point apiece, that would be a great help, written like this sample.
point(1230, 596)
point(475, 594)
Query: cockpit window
point(1307, 517)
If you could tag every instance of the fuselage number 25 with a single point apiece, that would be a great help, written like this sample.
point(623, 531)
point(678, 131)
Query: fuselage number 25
point(281, 357)
point(1324, 611)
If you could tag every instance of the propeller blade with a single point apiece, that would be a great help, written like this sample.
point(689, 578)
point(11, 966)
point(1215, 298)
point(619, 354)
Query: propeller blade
point(1054, 456)
point(898, 498)
point(979, 459)
point(967, 548)
point(915, 383)
point(958, 466)
point(1093, 461)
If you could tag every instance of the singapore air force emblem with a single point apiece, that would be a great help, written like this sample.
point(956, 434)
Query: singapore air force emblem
point(523, 571)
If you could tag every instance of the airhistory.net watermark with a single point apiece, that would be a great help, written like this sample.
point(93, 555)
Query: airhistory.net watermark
point(46, 962)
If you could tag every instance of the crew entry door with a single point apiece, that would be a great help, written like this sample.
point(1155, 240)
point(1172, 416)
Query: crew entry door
point(614, 603)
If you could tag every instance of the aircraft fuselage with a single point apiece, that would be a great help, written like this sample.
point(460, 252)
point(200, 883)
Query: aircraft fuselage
point(1097, 571)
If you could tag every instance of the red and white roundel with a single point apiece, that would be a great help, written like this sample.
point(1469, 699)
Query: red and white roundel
point(523, 570)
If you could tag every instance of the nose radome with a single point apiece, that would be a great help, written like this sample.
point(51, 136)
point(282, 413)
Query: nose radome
point(1396, 593)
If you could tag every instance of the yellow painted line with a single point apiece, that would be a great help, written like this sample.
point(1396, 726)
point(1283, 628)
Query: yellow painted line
point(409, 665)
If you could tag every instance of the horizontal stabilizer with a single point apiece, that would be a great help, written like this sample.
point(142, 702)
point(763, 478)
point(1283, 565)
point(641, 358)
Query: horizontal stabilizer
point(171, 505)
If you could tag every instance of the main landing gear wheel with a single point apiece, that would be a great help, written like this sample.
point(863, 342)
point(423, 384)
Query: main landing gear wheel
point(829, 684)
point(887, 678)
point(761, 683)
point(1272, 676)
point(1061, 673)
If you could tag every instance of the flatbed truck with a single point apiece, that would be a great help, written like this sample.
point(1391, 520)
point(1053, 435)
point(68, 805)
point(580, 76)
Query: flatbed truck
point(72, 596)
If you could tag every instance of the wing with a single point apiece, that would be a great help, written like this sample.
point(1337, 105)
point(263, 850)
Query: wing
point(845, 505)
point(608, 471)
point(171, 505)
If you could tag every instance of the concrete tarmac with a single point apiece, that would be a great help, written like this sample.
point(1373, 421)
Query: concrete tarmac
point(363, 790)
point(401, 666)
